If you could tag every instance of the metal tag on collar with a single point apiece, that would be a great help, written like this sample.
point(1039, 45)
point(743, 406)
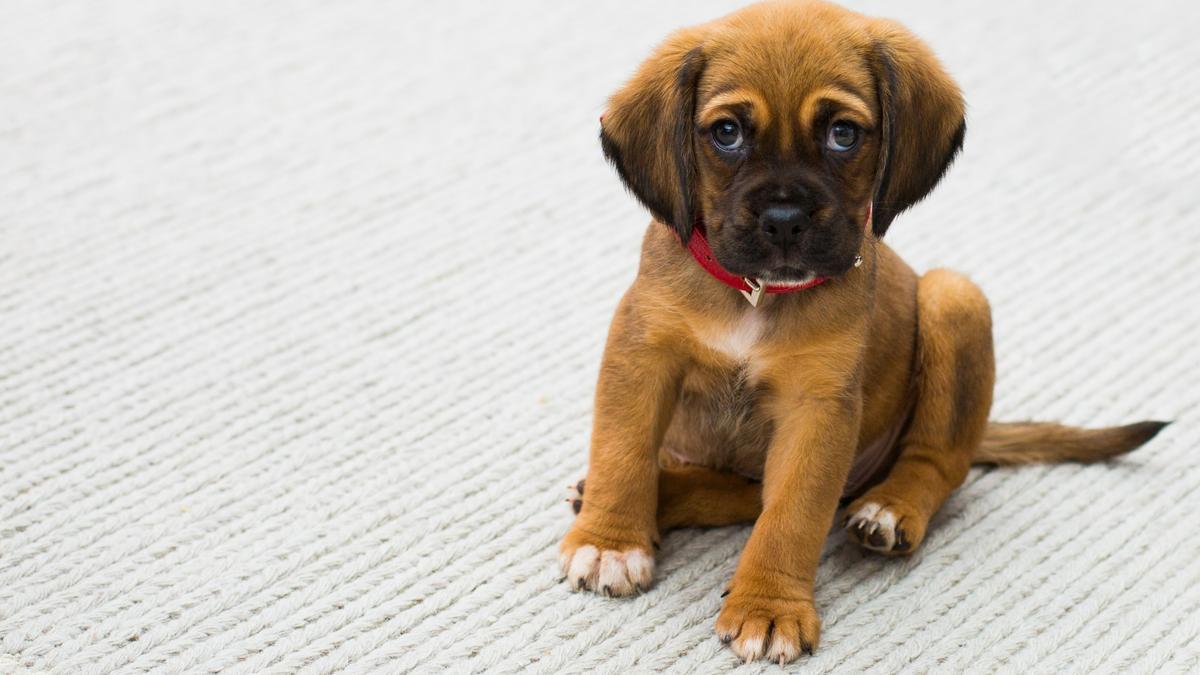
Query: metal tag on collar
point(757, 288)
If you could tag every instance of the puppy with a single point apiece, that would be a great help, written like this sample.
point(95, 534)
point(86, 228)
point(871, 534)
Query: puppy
point(770, 334)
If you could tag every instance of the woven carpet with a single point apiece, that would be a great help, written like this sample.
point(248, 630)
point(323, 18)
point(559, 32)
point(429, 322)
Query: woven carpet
point(302, 305)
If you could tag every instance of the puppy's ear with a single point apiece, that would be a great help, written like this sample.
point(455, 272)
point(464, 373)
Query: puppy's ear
point(923, 117)
point(648, 131)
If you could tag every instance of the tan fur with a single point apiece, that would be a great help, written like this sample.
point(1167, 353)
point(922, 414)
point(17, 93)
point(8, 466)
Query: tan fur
point(1007, 444)
point(696, 385)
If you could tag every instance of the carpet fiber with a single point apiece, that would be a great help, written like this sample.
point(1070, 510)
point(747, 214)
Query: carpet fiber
point(302, 304)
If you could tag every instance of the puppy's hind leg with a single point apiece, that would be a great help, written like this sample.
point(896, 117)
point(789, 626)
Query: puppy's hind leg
point(955, 375)
point(696, 496)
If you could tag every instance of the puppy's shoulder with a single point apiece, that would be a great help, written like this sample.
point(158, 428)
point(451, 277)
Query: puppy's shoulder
point(662, 254)
point(892, 272)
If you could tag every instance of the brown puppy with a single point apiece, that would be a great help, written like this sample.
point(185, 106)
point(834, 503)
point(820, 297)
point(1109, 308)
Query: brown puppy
point(789, 135)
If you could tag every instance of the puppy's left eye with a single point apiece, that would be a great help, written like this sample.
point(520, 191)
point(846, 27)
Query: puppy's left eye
point(842, 136)
point(727, 135)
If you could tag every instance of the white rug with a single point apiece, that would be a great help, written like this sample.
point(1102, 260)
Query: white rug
point(301, 308)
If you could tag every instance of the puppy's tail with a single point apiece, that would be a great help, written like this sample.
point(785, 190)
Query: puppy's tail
point(1008, 443)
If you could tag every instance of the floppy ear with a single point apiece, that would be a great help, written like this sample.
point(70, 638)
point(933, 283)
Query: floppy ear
point(648, 131)
point(923, 117)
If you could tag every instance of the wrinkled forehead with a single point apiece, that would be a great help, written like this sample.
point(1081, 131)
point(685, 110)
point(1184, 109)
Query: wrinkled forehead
point(787, 77)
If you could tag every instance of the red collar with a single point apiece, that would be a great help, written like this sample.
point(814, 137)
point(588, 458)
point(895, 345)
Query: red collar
point(750, 287)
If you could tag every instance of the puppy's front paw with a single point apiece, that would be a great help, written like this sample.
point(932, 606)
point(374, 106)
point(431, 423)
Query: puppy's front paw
point(611, 566)
point(765, 624)
point(884, 525)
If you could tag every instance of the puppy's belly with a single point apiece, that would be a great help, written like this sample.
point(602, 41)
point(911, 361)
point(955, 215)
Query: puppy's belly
point(719, 423)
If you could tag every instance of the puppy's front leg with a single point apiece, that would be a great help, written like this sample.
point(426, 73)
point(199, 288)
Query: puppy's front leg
point(769, 610)
point(608, 548)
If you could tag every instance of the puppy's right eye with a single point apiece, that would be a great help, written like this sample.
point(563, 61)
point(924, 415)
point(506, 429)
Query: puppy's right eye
point(727, 135)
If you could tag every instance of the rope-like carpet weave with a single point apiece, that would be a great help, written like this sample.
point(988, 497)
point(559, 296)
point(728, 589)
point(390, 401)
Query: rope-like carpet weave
point(302, 304)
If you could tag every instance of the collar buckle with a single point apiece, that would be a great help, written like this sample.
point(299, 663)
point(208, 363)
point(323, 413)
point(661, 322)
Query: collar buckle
point(754, 295)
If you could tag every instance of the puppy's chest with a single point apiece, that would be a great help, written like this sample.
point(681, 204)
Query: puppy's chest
point(720, 420)
point(739, 341)
point(735, 372)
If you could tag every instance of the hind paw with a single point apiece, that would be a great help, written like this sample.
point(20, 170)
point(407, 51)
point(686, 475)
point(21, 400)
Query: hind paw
point(575, 496)
point(885, 526)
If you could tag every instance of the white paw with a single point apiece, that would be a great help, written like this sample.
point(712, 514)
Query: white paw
point(612, 573)
point(877, 528)
point(783, 649)
point(750, 649)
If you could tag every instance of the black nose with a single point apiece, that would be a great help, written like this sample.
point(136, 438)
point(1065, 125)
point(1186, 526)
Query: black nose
point(783, 223)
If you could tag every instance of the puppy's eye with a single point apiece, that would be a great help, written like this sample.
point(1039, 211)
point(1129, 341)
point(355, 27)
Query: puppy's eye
point(727, 134)
point(842, 136)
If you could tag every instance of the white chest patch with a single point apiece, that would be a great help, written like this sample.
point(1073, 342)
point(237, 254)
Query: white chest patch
point(738, 339)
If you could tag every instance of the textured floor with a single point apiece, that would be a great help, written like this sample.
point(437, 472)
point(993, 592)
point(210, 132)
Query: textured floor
point(301, 309)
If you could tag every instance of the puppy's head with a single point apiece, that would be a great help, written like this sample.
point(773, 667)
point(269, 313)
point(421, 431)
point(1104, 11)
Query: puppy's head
point(779, 127)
